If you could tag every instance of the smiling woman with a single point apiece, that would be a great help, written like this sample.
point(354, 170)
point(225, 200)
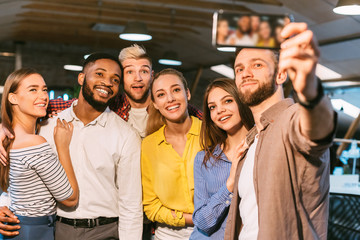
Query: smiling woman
point(31, 161)
point(167, 157)
point(226, 122)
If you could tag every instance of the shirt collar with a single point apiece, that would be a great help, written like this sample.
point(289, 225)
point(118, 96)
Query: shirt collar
point(194, 130)
point(101, 119)
point(125, 100)
point(268, 117)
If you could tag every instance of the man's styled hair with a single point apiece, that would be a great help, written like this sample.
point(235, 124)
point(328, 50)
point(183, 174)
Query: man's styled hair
point(92, 58)
point(275, 56)
point(134, 52)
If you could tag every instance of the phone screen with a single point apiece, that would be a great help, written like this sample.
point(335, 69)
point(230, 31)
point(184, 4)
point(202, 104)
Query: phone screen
point(248, 30)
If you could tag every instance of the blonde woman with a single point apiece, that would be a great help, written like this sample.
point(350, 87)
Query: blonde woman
point(168, 157)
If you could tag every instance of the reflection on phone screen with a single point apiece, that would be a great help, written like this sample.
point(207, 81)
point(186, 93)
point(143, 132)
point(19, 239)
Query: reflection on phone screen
point(248, 30)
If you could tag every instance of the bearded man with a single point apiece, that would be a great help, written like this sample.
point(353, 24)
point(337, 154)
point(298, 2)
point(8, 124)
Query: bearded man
point(281, 189)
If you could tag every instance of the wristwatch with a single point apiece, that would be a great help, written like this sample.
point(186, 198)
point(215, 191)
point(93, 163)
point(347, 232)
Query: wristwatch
point(312, 103)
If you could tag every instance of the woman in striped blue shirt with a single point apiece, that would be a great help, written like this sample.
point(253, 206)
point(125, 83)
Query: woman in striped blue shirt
point(34, 176)
point(225, 123)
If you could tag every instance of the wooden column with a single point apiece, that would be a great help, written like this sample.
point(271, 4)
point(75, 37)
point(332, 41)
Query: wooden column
point(196, 81)
point(18, 56)
point(349, 134)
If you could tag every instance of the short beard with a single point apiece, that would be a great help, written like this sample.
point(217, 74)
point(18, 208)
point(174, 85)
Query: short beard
point(244, 32)
point(142, 99)
point(89, 97)
point(264, 91)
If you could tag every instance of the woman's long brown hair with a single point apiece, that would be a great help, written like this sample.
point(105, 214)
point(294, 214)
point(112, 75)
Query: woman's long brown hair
point(210, 134)
point(11, 85)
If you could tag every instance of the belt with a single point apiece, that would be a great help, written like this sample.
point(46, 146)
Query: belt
point(87, 223)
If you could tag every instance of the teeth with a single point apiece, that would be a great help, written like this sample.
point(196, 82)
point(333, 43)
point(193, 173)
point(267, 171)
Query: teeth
point(41, 105)
point(224, 118)
point(102, 91)
point(174, 107)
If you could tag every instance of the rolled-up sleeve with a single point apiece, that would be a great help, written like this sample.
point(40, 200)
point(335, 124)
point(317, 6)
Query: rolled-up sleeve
point(302, 144)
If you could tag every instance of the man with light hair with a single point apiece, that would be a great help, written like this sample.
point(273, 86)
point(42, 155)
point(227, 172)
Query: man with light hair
point(138, 75)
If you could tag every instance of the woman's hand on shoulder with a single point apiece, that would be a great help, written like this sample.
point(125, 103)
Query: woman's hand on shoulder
point(240, 149)
point(63, 133)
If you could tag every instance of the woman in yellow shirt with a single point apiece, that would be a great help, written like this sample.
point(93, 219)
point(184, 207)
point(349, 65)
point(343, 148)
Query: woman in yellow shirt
point(266, 38)
point(167, 157)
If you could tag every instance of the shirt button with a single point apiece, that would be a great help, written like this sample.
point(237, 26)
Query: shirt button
point(227, 202)
point(230, 195)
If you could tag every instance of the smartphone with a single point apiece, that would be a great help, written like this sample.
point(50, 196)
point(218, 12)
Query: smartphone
point(233, 30)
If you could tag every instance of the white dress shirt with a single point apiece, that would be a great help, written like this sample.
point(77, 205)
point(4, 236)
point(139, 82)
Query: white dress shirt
point(105, 155)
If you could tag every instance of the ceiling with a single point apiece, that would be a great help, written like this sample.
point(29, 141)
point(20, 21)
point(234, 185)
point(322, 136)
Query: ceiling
point(51, 33)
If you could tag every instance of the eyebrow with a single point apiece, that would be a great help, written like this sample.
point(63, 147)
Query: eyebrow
point(222, 98)
point(251, 60)
point(131, 65)
point(34, 85)
point(106, 71)
point(174, 85)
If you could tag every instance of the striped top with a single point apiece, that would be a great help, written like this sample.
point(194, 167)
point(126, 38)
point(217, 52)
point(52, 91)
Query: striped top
point(36, 181)
point(211, 197)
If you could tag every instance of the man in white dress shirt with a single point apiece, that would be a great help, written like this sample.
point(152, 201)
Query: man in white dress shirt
point(105, 151)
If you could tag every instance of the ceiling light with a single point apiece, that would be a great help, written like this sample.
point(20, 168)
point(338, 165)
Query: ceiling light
point(76, 68)
point(226, 49)
point(338, 84)
point(325, 73)
point(7, 54)
point(224, 70)
point(170, 58)
point(345, 107)
point(135, 31)
point(348, 7)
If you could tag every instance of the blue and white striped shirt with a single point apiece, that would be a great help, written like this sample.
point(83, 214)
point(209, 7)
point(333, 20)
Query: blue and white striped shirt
point(211, 197)
point(36, 181)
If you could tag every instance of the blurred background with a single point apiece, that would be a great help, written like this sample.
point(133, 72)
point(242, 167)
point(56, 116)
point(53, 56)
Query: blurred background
point(49, 34)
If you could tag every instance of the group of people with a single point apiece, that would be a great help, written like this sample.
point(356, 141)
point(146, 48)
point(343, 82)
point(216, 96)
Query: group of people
point(251, 31)
point(253, 165)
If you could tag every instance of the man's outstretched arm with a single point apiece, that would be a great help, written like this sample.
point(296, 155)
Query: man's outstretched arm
point(299, 57)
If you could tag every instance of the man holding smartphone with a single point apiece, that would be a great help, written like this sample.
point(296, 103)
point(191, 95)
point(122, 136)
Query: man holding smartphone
point(281, 189)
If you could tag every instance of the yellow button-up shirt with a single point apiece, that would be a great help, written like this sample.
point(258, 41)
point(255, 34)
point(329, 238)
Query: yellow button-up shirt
point(167, 178)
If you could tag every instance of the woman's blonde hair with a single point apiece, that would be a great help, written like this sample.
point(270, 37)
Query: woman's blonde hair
point(12, 83)
point(156, 120)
